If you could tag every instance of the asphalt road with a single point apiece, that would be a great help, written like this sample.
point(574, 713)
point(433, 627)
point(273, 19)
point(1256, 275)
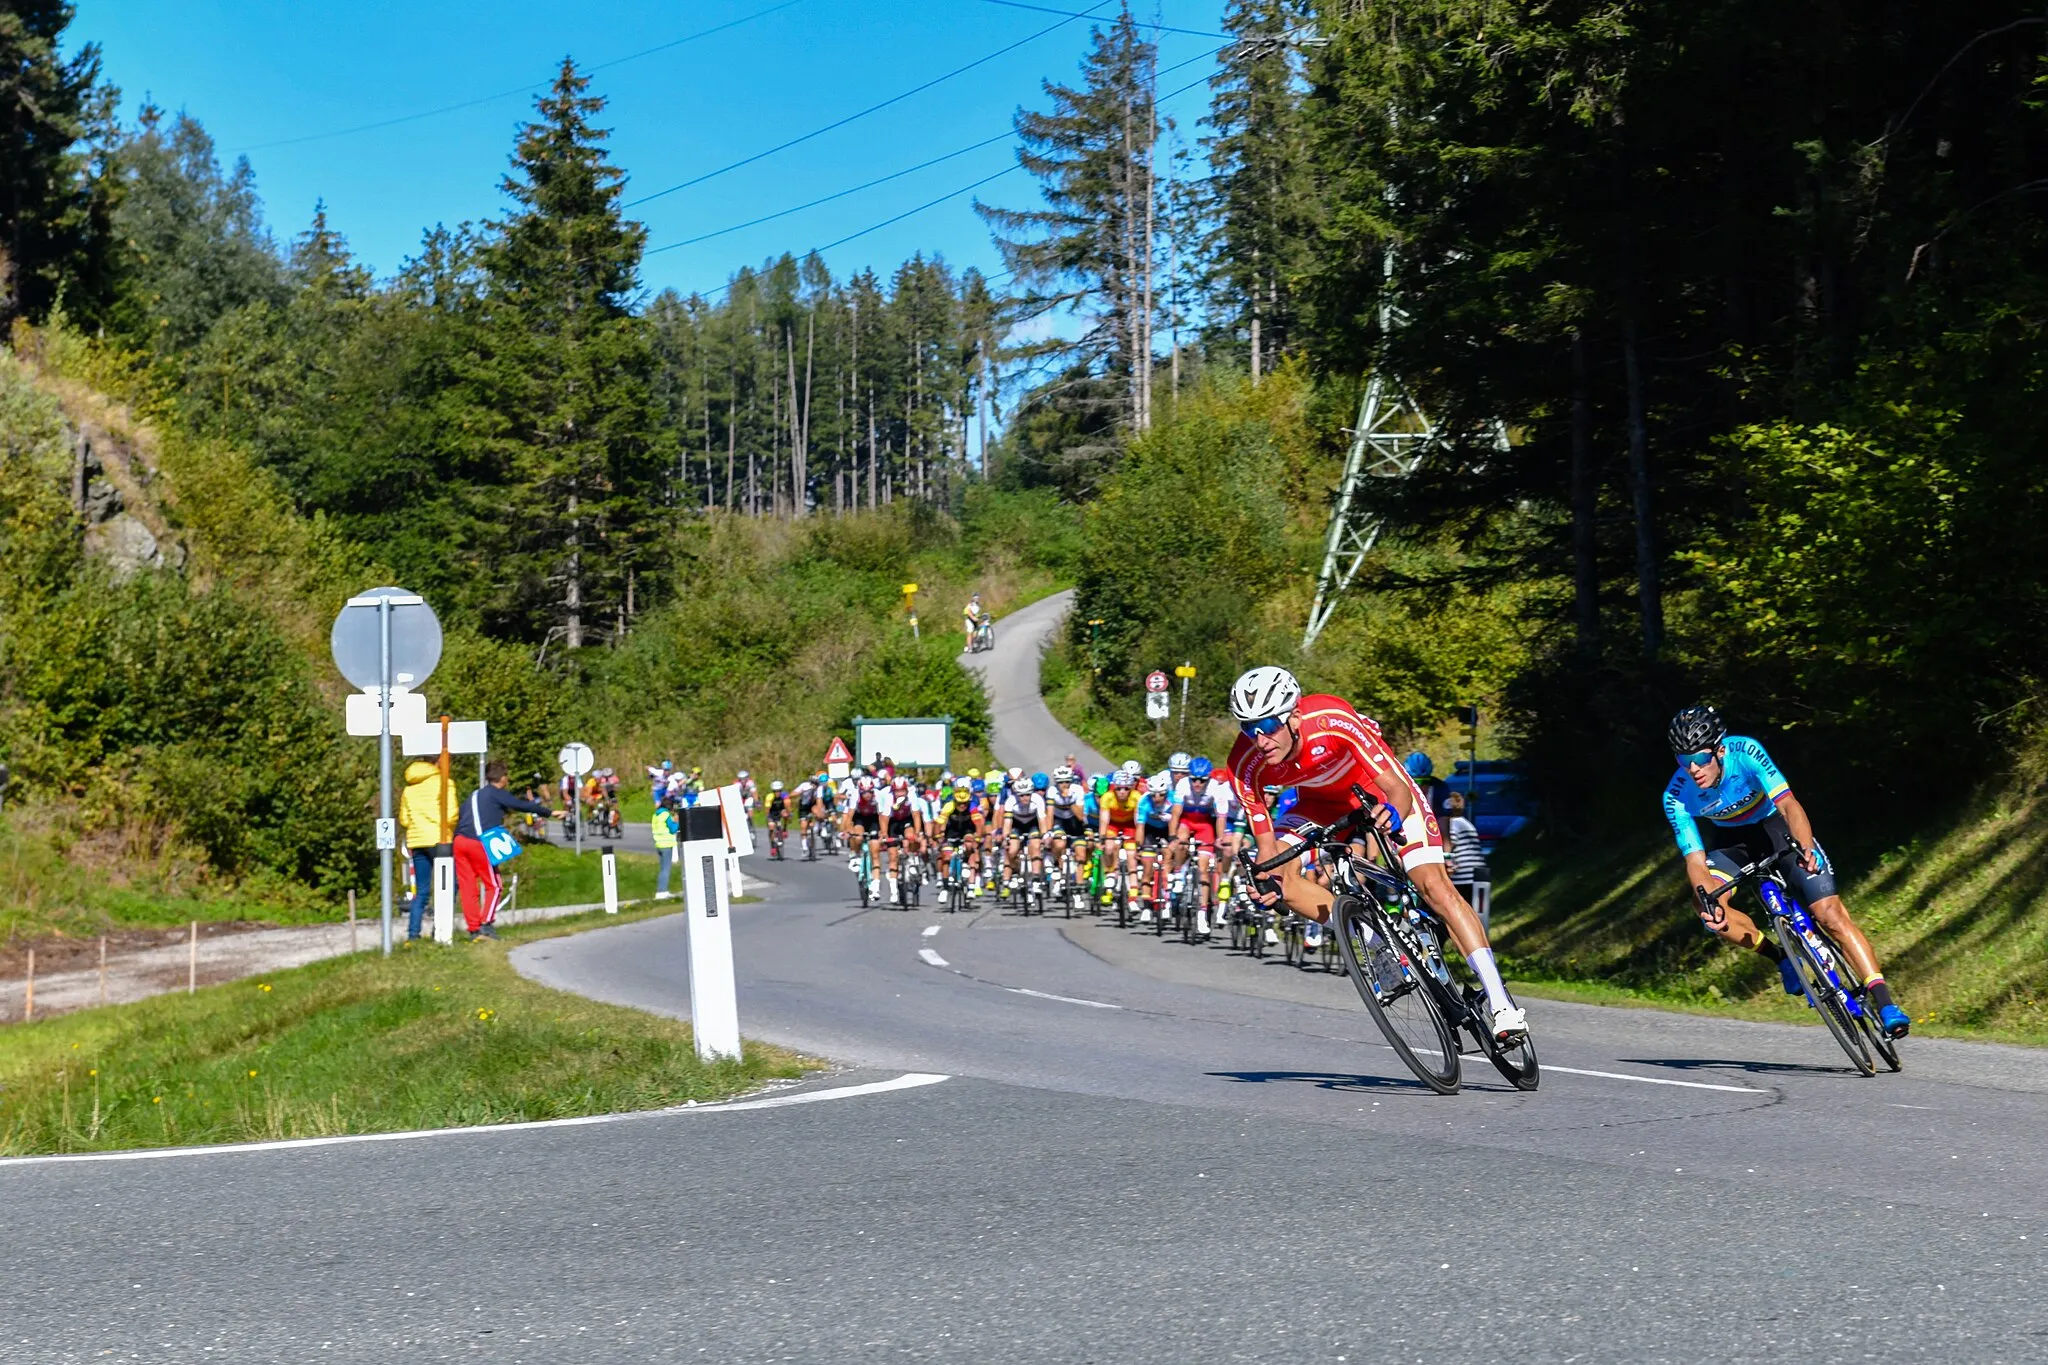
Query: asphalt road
point(1140, 1151)
point(1026, 735)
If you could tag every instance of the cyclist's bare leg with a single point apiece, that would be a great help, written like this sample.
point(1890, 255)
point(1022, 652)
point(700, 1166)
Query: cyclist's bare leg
point(1833, 916)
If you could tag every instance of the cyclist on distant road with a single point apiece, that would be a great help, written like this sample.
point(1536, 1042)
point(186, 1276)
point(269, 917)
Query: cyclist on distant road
point(1731, 782)
point(1320, 746)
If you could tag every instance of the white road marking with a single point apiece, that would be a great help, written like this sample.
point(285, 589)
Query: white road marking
point(910, 1080)
point(931, 931)
point(1656, 1080)
point(1063, 999)
point(933, 958)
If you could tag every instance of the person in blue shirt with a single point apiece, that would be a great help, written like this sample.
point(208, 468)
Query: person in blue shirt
point(1730, 782)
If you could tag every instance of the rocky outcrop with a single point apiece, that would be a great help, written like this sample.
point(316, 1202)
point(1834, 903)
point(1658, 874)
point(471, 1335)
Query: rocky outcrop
point(110, 492)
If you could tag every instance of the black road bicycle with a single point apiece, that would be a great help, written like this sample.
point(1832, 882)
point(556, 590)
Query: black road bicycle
point(1392, 947)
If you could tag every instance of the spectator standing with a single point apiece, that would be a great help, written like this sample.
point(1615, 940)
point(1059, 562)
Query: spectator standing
point(1467, 857)
point(476, 881)
point(429, 801)
point(666, 829)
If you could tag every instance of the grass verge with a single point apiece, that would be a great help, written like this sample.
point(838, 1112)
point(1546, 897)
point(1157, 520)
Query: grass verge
point(431, 1037)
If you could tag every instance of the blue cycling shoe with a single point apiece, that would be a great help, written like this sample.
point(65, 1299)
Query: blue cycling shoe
point(1790, 976)
point(1896, 1023)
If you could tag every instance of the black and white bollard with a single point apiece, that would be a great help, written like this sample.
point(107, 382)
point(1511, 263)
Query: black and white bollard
point(610, 863)
point(444, 895)
point(701, 861)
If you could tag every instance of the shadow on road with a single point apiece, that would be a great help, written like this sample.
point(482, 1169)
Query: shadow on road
point(1728, 1064)
point(1327, 1080)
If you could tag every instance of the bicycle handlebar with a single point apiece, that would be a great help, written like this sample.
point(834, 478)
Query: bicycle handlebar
point(1311, 835)
point(1750, 872)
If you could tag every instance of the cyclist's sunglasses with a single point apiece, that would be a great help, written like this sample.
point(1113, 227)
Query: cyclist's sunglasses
point(1698, 760)
point(1270, 725)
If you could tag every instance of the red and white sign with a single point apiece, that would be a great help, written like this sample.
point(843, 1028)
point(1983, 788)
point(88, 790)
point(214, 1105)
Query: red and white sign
point(1156, 682)
point(838, 753)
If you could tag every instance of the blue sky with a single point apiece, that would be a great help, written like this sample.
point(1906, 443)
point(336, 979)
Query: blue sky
point(291, 85)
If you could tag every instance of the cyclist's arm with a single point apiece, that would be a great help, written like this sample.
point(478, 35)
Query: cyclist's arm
point(1686, 831)
point(1801, 829)
point(1045, 817)
point(1173, 821)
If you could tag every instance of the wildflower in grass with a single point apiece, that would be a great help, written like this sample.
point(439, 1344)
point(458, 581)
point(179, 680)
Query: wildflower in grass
point(252, 1071)
point(264, 987)
point(486, 1015)
point(158, 1100)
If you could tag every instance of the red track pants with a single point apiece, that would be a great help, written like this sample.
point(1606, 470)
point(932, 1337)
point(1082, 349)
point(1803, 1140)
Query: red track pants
point(476, 883)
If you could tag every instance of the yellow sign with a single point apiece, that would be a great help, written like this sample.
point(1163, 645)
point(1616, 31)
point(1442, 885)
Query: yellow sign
point(910, 589)
point(1184, 671)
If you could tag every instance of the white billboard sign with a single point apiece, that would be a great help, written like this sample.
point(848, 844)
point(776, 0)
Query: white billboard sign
point(924, 742)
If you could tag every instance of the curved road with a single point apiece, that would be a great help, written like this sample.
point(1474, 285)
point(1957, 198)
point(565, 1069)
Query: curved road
point(1142, 1151)
point(1026, 735)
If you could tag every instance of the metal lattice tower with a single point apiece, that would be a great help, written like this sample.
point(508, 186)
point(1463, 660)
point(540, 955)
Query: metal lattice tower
point(1389, 441)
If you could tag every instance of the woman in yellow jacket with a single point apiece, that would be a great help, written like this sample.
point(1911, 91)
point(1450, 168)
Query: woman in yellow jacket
point(427, 801)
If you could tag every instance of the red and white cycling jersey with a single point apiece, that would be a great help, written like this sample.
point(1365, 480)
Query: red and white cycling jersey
point(1337, 748)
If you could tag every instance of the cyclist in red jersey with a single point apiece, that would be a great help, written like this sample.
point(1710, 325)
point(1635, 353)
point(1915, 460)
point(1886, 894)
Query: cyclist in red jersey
point(1320, 746)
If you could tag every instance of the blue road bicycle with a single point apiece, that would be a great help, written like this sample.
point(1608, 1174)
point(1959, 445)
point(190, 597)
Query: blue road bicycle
point(1831, 987)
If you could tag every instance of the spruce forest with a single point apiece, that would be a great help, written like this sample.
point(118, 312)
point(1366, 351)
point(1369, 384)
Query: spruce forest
point(1727, 317)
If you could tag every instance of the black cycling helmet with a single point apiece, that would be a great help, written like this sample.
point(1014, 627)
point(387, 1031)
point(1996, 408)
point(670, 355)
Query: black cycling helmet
point(1696, 728)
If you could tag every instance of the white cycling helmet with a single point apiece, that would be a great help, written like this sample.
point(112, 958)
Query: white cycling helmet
point(1064, 774)
point(1021, 785)
point(743, 774)
point(775, 786)
point(1159, 784)
point(1179, 762)
point(1133, 767)
point(1263, 693)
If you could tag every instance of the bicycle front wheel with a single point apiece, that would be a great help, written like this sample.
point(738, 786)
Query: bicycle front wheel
point(1405, 1009)
point(1826, 1003)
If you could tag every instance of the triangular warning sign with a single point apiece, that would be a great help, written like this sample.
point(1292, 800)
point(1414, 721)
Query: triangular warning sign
point(838, 753)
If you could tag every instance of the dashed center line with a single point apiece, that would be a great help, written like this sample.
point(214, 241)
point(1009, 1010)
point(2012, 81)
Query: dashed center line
point(1063, 999)
point(931, 931)
point(933, 958)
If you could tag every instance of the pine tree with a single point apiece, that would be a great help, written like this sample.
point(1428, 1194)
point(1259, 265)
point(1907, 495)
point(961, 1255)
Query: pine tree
point(1091, 249)
point(561, 395)
point(51, 209)
point(1260, 191)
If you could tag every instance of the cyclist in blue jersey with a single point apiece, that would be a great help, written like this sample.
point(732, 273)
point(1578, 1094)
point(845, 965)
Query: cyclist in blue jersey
point(1730, 782)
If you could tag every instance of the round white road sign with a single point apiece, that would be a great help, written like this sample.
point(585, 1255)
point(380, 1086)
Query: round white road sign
point(576, 759)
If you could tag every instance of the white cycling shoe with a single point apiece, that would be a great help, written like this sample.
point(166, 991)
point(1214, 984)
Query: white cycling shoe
point(1510, 1021)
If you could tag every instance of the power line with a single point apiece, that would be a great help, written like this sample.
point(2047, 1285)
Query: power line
point(873, 108)
point(879, 180)
point(930, 203)
point(522, 89)
point(1141, 23)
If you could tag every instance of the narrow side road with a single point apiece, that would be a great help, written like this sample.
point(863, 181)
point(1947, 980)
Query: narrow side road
point(1025, 733)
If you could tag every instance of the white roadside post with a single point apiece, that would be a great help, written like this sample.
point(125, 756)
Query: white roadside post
point(384, 640)
point(610, 864)
point(446, 737)
point(739, 835)
point(714, 997)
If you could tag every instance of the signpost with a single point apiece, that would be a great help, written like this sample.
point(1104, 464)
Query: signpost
point(384, 640)
point(1186, 674)
point(576, 760)
point(910, 605)
point(1158, 704)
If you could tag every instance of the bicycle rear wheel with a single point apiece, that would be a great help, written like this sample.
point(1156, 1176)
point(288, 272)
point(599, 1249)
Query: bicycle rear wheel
point(1516, 1060)
point(1825, 1002)
point(1405, 1009)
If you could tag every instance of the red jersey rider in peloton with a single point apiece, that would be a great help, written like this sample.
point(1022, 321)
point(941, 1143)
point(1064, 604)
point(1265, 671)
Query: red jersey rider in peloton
point(1319, 746)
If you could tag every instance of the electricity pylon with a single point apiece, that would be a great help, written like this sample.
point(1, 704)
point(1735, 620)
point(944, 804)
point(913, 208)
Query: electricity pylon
point(1392, 434)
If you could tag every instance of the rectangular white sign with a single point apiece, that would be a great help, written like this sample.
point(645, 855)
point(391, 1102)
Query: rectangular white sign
point(408, 709)
point(464, 737)
point(911, 743)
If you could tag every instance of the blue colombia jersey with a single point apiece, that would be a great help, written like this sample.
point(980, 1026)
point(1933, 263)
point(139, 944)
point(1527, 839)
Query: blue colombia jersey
point(1155, 810)
point(1748, 791)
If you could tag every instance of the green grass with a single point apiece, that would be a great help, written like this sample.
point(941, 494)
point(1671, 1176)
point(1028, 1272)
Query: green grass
point(1955, 917)
point(552, 874)
point(430, 1037)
